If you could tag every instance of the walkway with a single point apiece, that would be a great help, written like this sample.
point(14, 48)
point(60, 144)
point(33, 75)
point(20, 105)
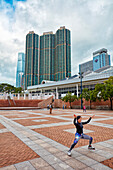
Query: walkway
point(34, 139)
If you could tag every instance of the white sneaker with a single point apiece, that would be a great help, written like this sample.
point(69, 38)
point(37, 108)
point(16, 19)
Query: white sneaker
point(91, 147)
point(69, 153)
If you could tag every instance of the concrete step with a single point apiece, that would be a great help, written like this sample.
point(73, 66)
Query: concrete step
point(19, 108)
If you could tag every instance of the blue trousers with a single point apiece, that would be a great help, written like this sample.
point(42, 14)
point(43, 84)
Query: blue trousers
point(81, 136)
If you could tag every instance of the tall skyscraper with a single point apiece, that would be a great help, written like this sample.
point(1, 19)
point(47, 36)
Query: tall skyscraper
point(48, 60)
point(47, 56)
point(101, 59)
point(62, 54)
point(32, 59)
point(20, 70)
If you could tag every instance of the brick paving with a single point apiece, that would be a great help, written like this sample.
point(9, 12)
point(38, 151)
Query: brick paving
point(107, 121)
point(12, 150)
point(59, 135)
point(111, 115)
point(1, 126)
point(96, 117)
point(37, 140)
point(30, 122)
point(108, 162)
point(21, 115)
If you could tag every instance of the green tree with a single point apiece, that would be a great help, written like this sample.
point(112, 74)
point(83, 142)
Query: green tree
point(99, 91)
point(69, 98)
point(108, 93)
point(18, 90)
point(104, 91)
point(4, 87)
point(93, 95)
point(86, 94)
point(89, 95)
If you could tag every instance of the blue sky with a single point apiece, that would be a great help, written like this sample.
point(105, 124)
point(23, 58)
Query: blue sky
point(10, 4)
point(90, 22)
point(12, 1)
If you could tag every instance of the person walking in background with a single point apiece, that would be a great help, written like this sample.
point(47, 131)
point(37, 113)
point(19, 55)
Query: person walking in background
point(51, 107)
point(79, 133)
point(84, 108)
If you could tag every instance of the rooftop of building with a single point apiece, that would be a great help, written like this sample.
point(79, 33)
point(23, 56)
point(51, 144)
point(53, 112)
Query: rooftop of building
point(47, 81)
point(63, 27)
point(102, 69)
point(47, 33)
point(86, 77)
point(101, 72)
point(102, 50)
point(31, 32)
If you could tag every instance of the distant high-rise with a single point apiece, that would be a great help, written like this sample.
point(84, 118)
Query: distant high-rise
point(62, 54)
point(47, 56)
point(32, 59)
point(20, 70)
point(48, 60)
point(85, 67)
point(101, 59)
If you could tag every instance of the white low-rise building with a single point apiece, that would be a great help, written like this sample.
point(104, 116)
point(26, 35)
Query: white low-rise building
point(61, 88)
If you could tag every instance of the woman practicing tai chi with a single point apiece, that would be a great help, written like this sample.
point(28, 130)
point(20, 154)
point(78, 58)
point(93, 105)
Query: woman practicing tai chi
point(79, 132)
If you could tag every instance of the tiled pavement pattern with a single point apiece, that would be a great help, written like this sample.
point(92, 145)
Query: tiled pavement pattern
point(108, 162)
point(43, 141)
point(13, 148)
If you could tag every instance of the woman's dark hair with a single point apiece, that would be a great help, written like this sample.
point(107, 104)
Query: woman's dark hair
point(78, 117)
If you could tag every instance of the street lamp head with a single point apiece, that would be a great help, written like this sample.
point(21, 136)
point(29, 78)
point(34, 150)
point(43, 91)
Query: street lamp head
point(80, 77)
point(80, 73)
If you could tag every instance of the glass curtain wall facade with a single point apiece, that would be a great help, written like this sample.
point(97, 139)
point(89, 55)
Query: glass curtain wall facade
point(47, 56)
point(20, 70)
point(62, 54)
point(32, 59)
point(101, 59)
point(85, 67)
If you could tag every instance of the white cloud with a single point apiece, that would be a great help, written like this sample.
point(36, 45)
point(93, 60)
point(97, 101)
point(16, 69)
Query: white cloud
point(90, 23)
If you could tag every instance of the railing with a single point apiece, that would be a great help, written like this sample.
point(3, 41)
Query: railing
point(30, 96)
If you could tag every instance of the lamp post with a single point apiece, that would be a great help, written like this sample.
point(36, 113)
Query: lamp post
point(81, 77)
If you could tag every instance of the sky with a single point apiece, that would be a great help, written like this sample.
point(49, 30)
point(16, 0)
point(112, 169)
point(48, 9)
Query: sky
point(90, 22)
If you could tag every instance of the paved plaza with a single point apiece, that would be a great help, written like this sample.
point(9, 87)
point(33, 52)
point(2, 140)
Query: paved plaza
point(34, 139)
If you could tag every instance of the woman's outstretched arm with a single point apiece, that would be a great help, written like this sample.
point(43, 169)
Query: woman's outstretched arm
point(88, 120)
